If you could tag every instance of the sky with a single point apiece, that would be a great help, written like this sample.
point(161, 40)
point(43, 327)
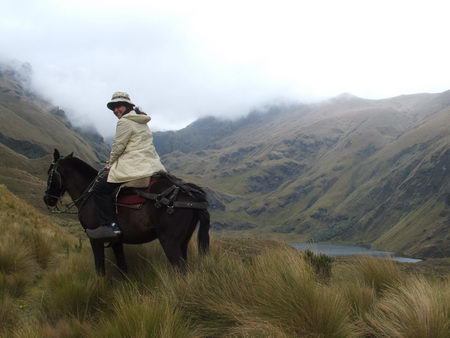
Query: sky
point(181, 60)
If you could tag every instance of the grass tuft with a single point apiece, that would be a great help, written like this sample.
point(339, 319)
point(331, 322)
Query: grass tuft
point(376, 273)
point(64, 328)
point(73, 290)
point(416, 309)
point(17, 268)
point(142, 315)
point(9, 316)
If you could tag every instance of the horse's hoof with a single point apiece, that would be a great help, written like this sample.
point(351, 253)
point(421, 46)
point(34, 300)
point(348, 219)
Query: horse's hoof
point(102, 232)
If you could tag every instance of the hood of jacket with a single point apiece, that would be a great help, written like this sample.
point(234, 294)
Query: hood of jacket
point(139, 118)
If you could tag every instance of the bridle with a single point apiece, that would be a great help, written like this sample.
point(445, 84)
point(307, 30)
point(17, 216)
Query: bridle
point(53, 171)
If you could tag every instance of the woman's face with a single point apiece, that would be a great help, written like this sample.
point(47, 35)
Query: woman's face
point(119, 110)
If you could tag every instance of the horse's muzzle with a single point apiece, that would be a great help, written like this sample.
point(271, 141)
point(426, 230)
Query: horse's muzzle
point(50, 201)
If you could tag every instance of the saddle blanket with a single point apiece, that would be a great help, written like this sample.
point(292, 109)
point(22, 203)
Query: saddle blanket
point(124, 198)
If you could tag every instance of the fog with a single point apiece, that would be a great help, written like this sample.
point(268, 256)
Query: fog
point(181, 60)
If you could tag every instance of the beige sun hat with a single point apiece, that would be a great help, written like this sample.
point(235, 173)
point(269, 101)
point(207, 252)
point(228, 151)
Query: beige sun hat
point(119, 97)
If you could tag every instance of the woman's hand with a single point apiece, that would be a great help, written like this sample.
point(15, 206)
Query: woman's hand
point(106, 166)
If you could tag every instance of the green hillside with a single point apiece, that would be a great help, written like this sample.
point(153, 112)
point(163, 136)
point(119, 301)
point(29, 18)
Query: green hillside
point(30, 128)
point(373, 172)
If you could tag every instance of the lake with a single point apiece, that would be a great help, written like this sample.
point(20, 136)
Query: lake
point(349, 250)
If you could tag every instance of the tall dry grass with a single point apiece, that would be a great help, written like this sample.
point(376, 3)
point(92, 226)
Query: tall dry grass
point(64, 328)
point(376, 273)
point(9, 316)
point(73, 290)
point(243, 288)
point(415, 309)
point(277, 289)
point(268, 293)
point(135, 314)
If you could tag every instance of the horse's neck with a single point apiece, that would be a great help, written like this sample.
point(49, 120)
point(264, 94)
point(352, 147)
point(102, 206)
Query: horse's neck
point(77, 184)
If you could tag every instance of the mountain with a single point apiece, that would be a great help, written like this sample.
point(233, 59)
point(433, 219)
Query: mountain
point(30, 128)
point(373, 172)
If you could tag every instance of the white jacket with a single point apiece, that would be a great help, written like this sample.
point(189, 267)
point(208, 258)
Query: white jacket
point(133, 154)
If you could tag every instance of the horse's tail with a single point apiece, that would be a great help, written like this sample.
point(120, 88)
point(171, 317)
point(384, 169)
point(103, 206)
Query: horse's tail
point(203, 231)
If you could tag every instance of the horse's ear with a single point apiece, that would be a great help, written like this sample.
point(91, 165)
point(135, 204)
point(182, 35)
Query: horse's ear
point(56, 155)
point(70, 155)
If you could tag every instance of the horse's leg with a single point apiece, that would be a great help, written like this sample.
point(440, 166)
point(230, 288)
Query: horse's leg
point(185, 242)
point(173, 251)
point(99, 256)
point(184, 249)
point(120, 257)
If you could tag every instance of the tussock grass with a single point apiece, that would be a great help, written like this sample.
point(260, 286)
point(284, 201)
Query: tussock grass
point(266, 293)
point(276, 289)
point(140, 315)
point(41, 247)
point(28, 244)
point(17, 268)
point(375, 273)
point(64, 328)
point(9, 316)
point(73, 291)
point(415, 309)
point(147, 264)
point(360, 297)
point(243, 288)
point(258, 328)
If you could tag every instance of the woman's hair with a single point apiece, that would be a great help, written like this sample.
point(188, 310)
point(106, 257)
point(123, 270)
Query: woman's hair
point(139, 111)
point(131, 107)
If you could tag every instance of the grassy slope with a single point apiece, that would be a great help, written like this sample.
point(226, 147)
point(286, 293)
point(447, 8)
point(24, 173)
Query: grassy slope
point(26, 119)
point(243, 288)
point(22, 119)
point(23, 176)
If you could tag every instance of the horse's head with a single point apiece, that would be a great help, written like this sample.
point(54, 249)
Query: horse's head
point(55, 186)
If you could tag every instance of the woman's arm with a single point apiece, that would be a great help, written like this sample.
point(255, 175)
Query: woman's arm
point(123, 134)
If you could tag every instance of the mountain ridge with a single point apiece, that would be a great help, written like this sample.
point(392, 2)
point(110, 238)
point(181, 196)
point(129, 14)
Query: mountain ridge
point(30, 129)
point(325, 171)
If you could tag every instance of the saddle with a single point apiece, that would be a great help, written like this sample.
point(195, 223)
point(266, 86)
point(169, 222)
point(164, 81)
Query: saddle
point(127, 196)
point(135, 193)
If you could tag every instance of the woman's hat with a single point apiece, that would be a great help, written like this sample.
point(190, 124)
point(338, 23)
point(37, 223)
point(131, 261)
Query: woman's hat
point(117, 97)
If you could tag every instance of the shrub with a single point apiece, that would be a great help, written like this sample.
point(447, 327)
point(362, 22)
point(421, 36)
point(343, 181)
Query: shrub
point(321, 263)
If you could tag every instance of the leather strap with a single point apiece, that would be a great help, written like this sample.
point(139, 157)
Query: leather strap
point(167, 202)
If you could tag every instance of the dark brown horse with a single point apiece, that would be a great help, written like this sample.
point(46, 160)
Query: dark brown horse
point(173, 229)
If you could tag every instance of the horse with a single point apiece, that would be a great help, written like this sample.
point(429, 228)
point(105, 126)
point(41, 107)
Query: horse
point(172, 223)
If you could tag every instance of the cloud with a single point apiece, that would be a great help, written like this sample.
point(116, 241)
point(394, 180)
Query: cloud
point(182, 60)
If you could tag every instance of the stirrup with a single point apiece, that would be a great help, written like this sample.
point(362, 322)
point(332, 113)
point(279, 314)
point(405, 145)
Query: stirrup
point(116, 229)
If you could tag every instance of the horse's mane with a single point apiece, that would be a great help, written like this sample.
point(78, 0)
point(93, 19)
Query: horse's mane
point(81, 166)
point(190, 188)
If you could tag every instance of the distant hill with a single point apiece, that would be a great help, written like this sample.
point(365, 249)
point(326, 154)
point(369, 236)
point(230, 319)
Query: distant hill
point(374, 172)
point(30, 128)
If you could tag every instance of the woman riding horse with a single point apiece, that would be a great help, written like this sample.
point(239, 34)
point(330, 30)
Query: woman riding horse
point(133, 156)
